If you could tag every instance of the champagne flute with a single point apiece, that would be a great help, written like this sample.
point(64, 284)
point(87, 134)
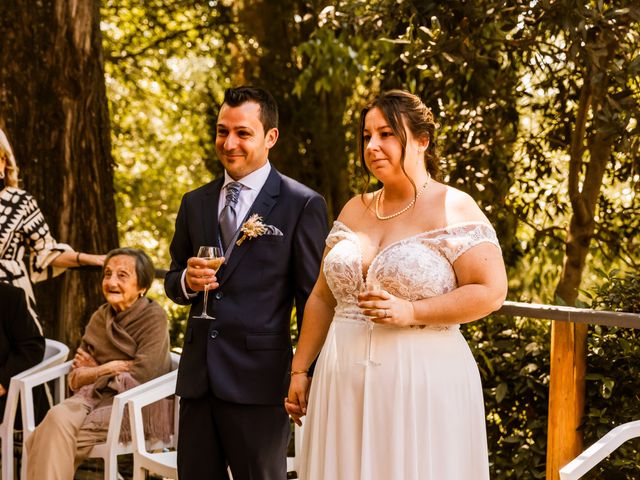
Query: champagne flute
point(213, 256)
point(367, 362)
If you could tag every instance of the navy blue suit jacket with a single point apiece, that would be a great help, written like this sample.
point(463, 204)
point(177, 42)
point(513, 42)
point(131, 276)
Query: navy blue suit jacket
point(244, 355)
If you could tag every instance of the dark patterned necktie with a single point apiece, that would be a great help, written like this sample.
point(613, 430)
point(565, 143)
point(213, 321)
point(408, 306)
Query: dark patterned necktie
point(228, 219)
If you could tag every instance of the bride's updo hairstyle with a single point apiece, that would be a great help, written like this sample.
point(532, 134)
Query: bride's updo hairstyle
point(398, 106)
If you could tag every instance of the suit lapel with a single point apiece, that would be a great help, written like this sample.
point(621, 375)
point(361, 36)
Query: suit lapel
point(209, 209)
point(262, 206)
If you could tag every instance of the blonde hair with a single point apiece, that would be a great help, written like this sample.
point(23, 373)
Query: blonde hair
point(11, 168)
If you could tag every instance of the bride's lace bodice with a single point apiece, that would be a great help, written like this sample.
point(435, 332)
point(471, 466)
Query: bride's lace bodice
point(416, 267)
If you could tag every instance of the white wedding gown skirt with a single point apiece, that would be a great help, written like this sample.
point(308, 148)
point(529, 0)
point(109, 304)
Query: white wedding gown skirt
point(419, 414)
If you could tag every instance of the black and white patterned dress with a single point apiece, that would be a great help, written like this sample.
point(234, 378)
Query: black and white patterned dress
point(25, 237)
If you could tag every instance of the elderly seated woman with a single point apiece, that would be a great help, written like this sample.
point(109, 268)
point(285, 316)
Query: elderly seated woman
point(125, 343)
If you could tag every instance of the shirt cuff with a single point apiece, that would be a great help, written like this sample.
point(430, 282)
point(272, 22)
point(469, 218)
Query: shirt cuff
point(184, 286)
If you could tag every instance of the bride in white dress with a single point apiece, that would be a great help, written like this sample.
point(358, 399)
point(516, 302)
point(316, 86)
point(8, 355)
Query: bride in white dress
point(412, 261)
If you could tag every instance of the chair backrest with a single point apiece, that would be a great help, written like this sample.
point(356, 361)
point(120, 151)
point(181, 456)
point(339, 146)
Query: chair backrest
point(159, 388)
point(117, 414)
point(54, 354)
point(600, 450)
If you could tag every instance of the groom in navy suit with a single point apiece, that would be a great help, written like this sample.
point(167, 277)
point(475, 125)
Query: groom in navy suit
point(234, 370)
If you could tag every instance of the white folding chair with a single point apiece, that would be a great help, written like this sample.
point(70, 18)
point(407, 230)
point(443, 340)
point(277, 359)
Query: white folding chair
point(112, 447)
point(162, 463)
point(597, 452)
point(54, 354)
point(165, 463)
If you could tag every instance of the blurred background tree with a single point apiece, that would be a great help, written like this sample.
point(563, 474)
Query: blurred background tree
point(53, 106)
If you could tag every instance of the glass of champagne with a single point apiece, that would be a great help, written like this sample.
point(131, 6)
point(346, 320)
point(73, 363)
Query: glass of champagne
point(213, 256)
point(367, 362)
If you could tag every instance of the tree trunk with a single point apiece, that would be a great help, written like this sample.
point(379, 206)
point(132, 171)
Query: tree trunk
point(54, 108)
point(311, 147)
point(569, 340)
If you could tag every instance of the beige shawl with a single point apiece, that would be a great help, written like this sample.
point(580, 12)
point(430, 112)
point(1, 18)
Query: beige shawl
point(141, 334)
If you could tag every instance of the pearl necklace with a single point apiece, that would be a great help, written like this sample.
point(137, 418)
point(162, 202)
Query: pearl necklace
point(411, 204)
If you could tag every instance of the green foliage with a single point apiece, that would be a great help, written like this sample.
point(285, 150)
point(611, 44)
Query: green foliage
point(163, 82)
point(513, 357)
point(613, 375)
point(161, 89)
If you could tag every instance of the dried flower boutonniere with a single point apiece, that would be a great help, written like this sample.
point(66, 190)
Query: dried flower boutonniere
point(252, 228)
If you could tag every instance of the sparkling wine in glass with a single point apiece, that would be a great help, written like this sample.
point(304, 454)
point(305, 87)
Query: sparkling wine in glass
point(213, 256)
point(368, 362)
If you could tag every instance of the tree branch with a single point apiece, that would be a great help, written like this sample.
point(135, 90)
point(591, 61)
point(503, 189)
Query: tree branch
point(115, 59)
point(576, 150)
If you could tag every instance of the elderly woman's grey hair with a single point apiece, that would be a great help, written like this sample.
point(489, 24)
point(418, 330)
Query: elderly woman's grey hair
point(145, 270)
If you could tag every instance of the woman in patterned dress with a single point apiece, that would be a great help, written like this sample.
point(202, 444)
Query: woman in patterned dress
point(24, 231)
point(396, 392)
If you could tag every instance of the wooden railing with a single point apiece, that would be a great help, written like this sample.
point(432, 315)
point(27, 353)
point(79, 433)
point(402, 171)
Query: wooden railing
point(566, 384)
point(571, 314)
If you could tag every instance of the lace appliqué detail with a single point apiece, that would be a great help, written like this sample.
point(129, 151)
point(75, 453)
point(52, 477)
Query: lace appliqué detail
point(420, 266)
point(343, 265)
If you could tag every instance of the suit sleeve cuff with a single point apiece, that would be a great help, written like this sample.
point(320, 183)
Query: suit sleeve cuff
point(183, 283)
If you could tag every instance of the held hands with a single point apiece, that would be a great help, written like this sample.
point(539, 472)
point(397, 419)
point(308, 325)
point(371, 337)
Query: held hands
point(198, 275)
point(296, 402)
point(382, 307)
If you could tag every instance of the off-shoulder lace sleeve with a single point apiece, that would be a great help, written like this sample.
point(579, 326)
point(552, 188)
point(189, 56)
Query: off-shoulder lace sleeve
point(457, 240)
point(338, 232)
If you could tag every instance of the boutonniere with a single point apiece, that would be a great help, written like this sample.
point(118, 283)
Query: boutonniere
point(252, 228)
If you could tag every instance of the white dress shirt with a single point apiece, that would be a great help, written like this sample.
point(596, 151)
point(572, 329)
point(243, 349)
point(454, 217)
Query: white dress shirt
point(251, 186)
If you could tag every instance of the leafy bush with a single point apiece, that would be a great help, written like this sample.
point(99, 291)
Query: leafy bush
point(513, 357)
point(613, 375)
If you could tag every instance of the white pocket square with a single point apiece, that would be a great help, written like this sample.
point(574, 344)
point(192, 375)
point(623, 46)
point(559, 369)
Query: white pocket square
point(271, 230)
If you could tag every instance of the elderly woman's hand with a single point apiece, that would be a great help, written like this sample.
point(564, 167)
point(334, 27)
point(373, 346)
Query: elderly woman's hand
point(382, 307)
point(115, 367)
point(86, 374)
point(198, 275)
point(83, 359)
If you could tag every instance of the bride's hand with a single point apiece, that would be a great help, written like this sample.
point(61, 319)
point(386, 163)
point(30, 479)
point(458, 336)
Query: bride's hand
point(382, 307)
point(296, 402)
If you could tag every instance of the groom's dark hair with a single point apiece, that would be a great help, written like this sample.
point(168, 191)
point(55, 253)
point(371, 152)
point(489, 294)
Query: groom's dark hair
point(234, 97)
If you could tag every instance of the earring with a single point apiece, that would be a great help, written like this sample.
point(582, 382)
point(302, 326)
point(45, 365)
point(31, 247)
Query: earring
point(1, 174)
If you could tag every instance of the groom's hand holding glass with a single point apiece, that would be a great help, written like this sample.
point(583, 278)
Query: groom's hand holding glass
point(199, 276)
